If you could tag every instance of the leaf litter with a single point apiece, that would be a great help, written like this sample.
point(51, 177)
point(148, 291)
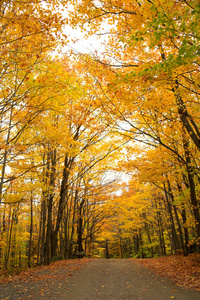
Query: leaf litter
point(183, 270)
point(54, 271)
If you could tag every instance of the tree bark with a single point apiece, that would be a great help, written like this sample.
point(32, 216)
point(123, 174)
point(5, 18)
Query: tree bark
point(61, 205)
point(190, 172)
point(31, 232)
point(52, 160)
point(175, 240)
point(187, 120)
point(177, 220)
point(80, 227)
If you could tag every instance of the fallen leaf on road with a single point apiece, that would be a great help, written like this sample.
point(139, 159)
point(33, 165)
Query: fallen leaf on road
point(183, 270)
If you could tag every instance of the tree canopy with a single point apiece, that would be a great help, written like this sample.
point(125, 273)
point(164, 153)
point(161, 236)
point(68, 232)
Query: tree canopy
point(100, 151)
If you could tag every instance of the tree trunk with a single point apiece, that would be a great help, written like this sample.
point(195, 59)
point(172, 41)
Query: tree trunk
point(180, 233)
point(43, 224)
point(183, 214)
point(7, 251)
point(148, 233)
point(177, 219)
point(61, 205)
point(80, 227)
point(141, 244)
point(175, 240)
point(69, 221)
point(6, 152)
point(31, 232)
point(188, 122)
point(184, 218)
point(54, 243)
point(106, 250)
point(136, 243)
point(52, 162)
point(68, 163)
point(190, 172)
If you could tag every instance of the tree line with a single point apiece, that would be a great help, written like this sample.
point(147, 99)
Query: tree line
point(73, 127)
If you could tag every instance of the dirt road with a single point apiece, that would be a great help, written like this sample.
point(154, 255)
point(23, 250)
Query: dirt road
point(99, 280)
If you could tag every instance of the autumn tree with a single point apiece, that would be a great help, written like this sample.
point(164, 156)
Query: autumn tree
point(60, 147)
point(151, 59)
point(29, 30)
point(155, 41)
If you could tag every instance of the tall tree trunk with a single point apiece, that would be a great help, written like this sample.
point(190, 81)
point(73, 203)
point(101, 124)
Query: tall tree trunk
point(80, 227)
point(175, 240)
point(188, 122)
point(141, 243)
point(106, 250)
point(177, 219)
point(160, 232)
point(190, 172)
point(52, 162)
point(43, 225)
point(146, 226)
point(7, 251)
point(39, 240)
point(136, 243)
point(61, 205)
point(183, 214)
point(180, 233)
point(184, 218)
point(31, 232)
point(6, 153)
point(68, 163)
point(70, 225)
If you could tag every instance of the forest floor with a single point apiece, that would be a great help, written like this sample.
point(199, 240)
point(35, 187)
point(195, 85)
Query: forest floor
point(107, 279)
point(183, 270)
